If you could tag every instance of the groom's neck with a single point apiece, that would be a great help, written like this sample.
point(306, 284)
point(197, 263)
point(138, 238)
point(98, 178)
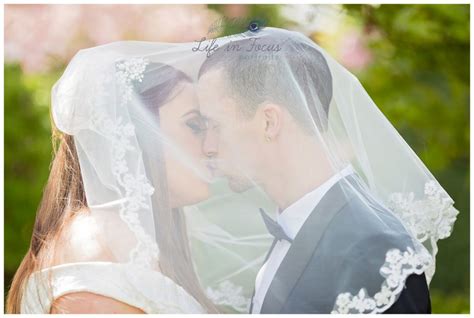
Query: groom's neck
point(296, 175)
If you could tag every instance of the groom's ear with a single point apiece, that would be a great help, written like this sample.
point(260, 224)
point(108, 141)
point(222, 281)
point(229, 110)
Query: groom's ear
point(272, 117)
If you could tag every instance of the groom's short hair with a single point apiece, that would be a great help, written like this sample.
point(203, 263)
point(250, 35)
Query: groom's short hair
point(293, 77)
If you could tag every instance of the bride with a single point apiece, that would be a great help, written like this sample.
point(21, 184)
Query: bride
point(109, 234)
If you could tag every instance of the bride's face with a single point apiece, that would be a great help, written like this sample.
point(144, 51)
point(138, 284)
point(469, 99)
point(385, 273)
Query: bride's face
point(182, 124)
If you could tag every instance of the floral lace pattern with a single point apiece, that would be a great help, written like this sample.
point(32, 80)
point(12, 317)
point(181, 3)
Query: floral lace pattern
point(229, 294)
point(429, 219)
point(398, 266)
point(129, 71)
point(136, 187)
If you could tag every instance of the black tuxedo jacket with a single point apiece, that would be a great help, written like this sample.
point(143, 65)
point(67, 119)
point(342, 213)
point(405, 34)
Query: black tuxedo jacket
point(316, 268)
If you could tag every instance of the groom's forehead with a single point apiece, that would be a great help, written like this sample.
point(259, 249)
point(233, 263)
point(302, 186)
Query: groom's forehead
point(212, 79)
point(221, 110)
point(214, 98)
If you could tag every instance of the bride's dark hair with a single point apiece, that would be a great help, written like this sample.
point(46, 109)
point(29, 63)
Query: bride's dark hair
point(64, 197)
point(160, 84)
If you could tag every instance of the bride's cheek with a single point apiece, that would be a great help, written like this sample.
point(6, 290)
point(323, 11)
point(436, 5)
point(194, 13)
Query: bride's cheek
point(185, 186)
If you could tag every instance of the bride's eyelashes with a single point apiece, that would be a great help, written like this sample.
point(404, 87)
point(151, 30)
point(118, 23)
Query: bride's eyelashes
point(197, 125)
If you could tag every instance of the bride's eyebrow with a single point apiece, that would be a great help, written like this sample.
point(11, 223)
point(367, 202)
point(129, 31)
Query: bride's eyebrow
point(195, 111)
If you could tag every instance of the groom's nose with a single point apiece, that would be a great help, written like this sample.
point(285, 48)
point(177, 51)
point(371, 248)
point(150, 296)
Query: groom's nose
point(210, 144)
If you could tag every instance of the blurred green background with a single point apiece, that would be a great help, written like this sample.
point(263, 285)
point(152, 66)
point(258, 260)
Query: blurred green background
point(412, 59)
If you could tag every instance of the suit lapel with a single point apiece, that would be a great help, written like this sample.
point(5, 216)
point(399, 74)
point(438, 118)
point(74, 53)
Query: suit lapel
point(303, 248)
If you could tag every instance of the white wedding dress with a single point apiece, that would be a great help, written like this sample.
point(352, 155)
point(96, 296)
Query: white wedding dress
point(142, 288)
point(133, 284)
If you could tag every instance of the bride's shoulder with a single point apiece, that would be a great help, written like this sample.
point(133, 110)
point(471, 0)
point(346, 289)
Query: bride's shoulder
point(90, 235)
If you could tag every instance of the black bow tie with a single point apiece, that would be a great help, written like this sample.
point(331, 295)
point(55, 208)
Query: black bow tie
point(274, 228)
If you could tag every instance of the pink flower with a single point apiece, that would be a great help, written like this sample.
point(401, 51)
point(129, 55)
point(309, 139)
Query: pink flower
point(352, 51)
point(42, 36)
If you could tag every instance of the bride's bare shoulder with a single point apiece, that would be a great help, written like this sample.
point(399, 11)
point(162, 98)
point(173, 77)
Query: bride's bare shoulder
point(90, 235)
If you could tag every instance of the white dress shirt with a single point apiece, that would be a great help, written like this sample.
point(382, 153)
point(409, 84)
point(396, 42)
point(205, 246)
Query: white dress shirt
point(291, 220)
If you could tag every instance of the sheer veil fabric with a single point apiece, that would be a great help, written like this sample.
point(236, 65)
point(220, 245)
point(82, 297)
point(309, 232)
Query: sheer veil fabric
point(275, 116)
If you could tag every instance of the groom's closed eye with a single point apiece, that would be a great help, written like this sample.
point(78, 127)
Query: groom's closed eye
point(211, 124)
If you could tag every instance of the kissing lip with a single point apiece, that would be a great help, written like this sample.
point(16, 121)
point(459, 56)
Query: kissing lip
point(212, 166)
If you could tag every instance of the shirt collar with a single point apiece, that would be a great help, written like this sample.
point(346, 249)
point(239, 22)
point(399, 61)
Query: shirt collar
point(293, 217)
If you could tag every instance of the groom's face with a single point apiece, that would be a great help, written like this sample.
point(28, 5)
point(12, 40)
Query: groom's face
point(231, 139)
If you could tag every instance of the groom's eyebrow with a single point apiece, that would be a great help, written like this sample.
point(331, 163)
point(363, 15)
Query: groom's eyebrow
point(191, 112)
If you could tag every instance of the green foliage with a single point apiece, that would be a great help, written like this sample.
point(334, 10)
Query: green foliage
point(27, 157)
point(419, 77)
point(454, 303)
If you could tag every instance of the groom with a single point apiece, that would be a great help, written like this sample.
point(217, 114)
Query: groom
point(327, 240)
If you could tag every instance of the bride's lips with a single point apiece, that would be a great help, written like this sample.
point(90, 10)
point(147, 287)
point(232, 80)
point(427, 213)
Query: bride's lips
point(212, 167)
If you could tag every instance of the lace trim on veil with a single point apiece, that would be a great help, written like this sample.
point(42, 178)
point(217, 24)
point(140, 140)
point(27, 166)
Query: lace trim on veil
point(136, 188)
point(428, 219)
point(229, 294)
point(398, 266)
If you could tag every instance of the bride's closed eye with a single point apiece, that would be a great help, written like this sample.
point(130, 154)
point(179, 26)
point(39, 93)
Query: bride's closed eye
point(197, 124)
